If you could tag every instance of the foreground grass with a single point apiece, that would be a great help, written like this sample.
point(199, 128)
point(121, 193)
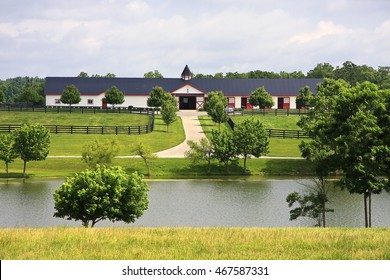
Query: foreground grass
point(195, 243)
point(165, 168)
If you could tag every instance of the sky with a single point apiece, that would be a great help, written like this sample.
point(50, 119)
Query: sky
point(131, 37)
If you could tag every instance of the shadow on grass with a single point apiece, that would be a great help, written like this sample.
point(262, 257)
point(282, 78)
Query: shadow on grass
point(289, 167)
point(12, 175)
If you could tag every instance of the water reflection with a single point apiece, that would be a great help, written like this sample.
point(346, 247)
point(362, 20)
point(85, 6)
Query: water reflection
point(195, 203)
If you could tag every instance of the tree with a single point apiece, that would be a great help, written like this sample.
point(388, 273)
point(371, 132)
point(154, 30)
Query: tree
point(201, 151)
point(100, 194)
point(83, 75)
point(250, 138)
point(260, 97)
point(153, 74)
point(114, 96)
point(31, 143)
point(145, 153)
point(99, 153)
point(309, 205)
point(169, 109)
point(223, 146)
point(322, 160)
point(304, 98)
point(215, 107)
point(7, 152)
point(344, 120)
point(3, 98)
point(70, 95)
point(322, 70)
point(156, 97)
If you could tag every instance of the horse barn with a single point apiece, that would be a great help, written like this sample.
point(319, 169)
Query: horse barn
point(190, 93)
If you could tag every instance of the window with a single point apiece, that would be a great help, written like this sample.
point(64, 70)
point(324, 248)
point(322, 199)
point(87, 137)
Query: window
point(57, 101)
point(90, 101)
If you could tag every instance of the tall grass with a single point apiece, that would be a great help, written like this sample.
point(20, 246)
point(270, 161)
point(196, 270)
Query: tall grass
point(195, 243)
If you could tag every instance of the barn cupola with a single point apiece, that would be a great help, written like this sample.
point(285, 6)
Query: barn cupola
point(186, 74)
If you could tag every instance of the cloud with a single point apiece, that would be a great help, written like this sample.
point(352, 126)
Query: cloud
point(129, 38)
point(324, 28)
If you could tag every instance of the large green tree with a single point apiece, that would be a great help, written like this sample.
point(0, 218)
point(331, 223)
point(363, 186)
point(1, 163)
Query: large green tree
point(344, 120)
point(70, 95)
point(7, 152)
point(114, 96)
point(100, 194)
point(260, 97)
point(250, 139)
point(31, 143)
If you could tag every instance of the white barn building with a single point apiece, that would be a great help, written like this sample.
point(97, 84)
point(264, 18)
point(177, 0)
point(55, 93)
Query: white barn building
point(190, 93)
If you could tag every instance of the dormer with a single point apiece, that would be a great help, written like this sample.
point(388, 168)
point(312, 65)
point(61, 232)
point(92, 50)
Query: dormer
point(186, 74)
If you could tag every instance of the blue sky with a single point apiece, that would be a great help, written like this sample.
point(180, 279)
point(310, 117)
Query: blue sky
point(130, 37)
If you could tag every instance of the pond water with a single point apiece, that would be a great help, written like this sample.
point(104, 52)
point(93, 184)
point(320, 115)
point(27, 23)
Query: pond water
point(196, 203)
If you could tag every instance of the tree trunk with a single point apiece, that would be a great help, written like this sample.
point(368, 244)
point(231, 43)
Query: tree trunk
point(369, 209)
point(365, 210)
point(24, 168)
point(6, 168)
point(245, 164)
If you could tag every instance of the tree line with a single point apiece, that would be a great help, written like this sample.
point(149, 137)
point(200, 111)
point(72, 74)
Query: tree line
point(31, 89)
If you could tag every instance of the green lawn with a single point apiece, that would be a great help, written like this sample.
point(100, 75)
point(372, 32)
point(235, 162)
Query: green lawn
point(87, 119)
point(71, 144)
point(278, 147)
point(194, 244)
point(269, 121)
point(165, 168)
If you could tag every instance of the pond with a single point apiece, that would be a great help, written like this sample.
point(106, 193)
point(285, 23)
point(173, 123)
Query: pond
point(195, 203)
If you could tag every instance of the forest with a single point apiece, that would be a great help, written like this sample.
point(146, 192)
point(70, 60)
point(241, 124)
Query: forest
point(30, 90)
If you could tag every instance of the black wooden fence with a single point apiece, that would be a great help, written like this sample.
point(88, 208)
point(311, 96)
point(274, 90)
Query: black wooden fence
point(278, 133)
point(76, 109)
point(74, 129)
point(269, 112)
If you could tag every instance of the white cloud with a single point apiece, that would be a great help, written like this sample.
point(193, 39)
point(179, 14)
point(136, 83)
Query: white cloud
point(324, 28)
point(131, 37)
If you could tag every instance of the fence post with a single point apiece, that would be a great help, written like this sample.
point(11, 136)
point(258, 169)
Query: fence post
point(102, 130)
point(139, 129)
point(71, 129)
point(116, 130)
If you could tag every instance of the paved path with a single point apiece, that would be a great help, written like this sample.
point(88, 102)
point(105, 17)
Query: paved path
point(193, 131)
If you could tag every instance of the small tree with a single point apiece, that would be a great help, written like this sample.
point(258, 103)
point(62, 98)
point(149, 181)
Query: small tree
point(169, 110)
point(260, 97)
point(215, 107)
point(309, 205)
point(114, 96)
point(31, 143)
point(223, 146)
point(97, 152)
point(100, 194)
point(200, 151)
point(7, 152)
point(250, 138)
point(70, 95)
point(304, 98)
point(156, 97)
point(145, 153)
